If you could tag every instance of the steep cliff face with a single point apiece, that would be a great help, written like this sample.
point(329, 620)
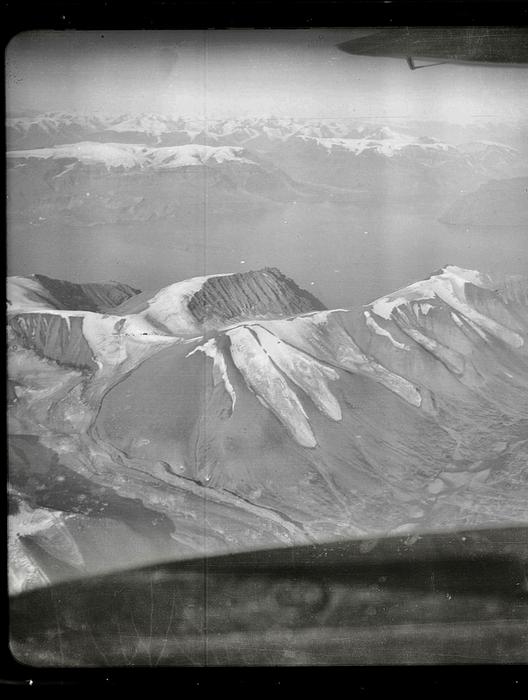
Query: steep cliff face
point(42, 292)
point(247, 295)
point(89, 296)
point(293, 422)
point(54, 337)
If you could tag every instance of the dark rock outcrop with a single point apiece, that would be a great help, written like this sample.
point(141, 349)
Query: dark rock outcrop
point(55, 338)
point(249, 294)
point(89, 296)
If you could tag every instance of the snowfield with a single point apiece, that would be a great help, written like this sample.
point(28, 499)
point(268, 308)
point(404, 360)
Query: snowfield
point(137, 156)
point(389, 145)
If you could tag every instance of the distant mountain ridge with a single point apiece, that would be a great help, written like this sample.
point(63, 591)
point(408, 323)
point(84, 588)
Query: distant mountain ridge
point(53, 129)
point(134, 156)
point(90, 183)
point(88, 171)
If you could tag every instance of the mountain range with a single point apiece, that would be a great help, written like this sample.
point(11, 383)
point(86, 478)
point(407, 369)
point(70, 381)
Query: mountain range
point(40, 130)
point(235, 411)
point(90, 183)
point(85, 171)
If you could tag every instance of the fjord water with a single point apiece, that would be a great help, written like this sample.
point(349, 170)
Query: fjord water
point(347, 255)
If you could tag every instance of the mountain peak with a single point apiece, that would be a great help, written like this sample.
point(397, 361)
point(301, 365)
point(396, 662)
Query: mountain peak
point(261, 293)
point(440, 283)
point(213, 301)
point(464, 293)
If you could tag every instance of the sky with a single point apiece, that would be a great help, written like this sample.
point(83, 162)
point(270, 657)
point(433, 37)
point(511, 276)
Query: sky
point(237, 73)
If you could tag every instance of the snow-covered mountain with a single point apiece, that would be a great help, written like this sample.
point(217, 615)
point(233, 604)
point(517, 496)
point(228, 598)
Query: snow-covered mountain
point(39, 131)
point(383, 141)
point(102, 181)
point(396, 164)
point(46, 130)
point(91, 182)
point(295, 422)
point(368, 159)
point(132, 156)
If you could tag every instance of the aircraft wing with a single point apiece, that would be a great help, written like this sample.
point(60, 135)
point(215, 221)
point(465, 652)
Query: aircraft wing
point(483, 45)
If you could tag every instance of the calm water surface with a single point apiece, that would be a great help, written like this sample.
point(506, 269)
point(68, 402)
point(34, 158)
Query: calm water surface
point(344, 255)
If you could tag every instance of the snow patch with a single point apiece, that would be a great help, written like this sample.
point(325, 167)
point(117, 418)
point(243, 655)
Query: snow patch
point(449, 357)
point(309, 374)
point(456, 319)
point(321, 316)
point(328, 341)
point(269, 385)
point(210, 349)
point(371, 323)
point(384, 307)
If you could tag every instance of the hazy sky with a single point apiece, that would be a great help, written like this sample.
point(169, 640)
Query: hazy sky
point(293, 73)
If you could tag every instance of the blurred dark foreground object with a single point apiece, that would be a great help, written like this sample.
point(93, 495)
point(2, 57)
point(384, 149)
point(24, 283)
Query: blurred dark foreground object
point(452, 598)
point(483, 45)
